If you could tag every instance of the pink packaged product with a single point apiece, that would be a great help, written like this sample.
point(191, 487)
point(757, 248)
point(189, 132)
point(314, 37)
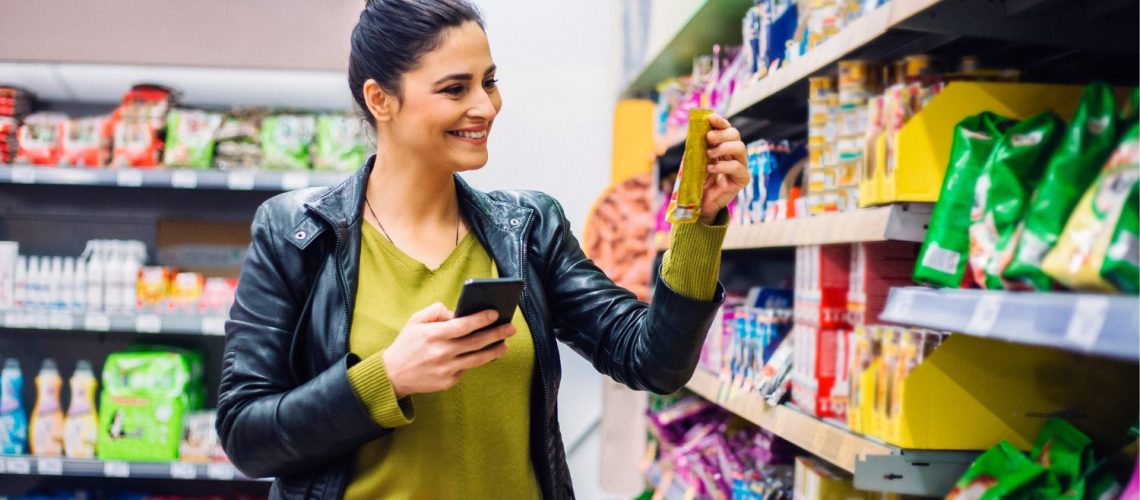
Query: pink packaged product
point(217, 295)
point(875, 269)
point(820, 356)
point(822, 280)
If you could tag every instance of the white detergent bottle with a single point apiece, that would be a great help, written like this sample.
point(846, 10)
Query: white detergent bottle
point(80, 429)
point(95, 276)
point(20, 293)
point(47, 417)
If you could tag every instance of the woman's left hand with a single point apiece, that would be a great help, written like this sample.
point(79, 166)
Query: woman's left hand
point(728, 168)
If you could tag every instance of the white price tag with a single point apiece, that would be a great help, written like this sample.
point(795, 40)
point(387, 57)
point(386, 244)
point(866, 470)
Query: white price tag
point(985, 315)
point(183, 470)
point(11, 320)
point(129, 178)
point(224, 472)
point(50, 467)
point(213, 325)
point(61, 321)
point(184, 179)
point(240, 181)
point(148, 323)
point(23, 175)
point(18, 465)
point(116, 469)
point(294, 180)
point(1087, 321)
point(96, 322)
point(76, 176)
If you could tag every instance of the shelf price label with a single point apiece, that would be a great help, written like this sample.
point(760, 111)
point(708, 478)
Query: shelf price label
point(221, 472)
point(183, 470)
point(18, 465)
point(1087, 321)
point(61, 321)
point(294, 180)
point(900, 303)
point(148, 323)
point(985, 314)
point(213, 325)
point(50, 467)
point(240, 181)
point(184, 179)
point(129, 178)
point(96, 322)
point(23, 175)
point(116, 469)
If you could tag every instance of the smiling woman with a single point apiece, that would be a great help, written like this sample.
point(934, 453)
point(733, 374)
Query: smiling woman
point(347, 373)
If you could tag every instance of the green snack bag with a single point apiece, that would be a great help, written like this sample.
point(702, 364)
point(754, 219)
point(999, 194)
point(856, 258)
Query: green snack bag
point(1071, 169)
point(1129, 113)
point(142, 405)
point(190, 138)
point(1003, 472)
point(285, 141)
point(942, 260)
point(1066, 452)
point(340, 143)
point(1002, 192)
point(1098, 249)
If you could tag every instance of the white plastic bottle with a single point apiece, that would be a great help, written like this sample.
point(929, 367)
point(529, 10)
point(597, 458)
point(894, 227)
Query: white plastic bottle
point(132, 265)
point(35, 296)
point(95, 276)
point(20, 293)
point(55, 284)
point(79, 287)
point(113, 275)
point(67, 285)
point(80, 428)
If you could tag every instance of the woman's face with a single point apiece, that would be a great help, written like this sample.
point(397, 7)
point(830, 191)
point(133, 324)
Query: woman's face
point(450, 101)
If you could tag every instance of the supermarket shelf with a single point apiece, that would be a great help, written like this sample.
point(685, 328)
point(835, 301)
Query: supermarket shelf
point(836, 445)
point(240, 180)
point(708, 27)
point(673, 490)
point(185, 324)
point(1095, 324)
point(903, 222)
point(74, 467)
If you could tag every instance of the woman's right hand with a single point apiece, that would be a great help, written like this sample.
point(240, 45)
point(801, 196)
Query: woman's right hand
point(434, 349)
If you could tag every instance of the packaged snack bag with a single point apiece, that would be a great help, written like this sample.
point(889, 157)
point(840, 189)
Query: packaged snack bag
point(190, 138)
point(285, 141)
point(40, 139)
point(340, 143)
point(1073, 166)
point(86, 142)
point(685, 207)
point(1098, 248)
point(942, 260)
point(1004, 472)
point(238, 139)
point(1066, 453)
point(1002, 192)
point(1129, 113)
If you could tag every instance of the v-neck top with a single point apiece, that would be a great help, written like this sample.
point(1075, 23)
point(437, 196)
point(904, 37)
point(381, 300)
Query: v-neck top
point(470, 441)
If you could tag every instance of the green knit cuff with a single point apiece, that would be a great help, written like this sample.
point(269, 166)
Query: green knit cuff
point(370, 380)
point(691, 266)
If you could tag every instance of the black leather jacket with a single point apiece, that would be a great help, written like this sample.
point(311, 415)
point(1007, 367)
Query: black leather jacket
point(286, 408)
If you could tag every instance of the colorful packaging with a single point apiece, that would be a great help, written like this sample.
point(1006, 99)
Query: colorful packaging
point(1098, 248)
point(138, 125)
point(81, 428)
point(46, 436)
point(685, 206)
point(1067, 453)
point(190, 138)
point(13, 418)
point(185, 292)
point(153, 287)
point(200, 441)
point(1071, 169)
point(145, 398)
point(238, 140)
point(942, 260)
point(1004, 472)
point(87, 142)
point(136, 145)
point(40, 139)
point(340, 143)
point(1002, 193)
point(285, 141)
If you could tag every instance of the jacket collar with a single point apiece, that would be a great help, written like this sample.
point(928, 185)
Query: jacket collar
point(341, 205)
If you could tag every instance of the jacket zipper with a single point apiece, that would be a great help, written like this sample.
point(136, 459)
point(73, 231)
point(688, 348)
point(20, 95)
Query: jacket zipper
point(524, 273)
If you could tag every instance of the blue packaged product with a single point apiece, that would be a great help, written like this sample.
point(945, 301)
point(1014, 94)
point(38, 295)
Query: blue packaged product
point(751, 35)
point(780, 160)
point(13, 416)
point(784, 19)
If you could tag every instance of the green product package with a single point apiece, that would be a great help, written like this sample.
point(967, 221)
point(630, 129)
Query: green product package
point(286, 140)
point(145, 397)
point(1071, 169)
point(340, 143)
point(1098, 250)
point(190, 137)
point(1002, 193)
point(1067, 453)
point(1003, 472)
point(1129, 114)
point(942, 260)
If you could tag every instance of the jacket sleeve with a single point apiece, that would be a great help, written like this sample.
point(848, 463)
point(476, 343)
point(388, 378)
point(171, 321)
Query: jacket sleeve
point(646, 347)
point(270, 423)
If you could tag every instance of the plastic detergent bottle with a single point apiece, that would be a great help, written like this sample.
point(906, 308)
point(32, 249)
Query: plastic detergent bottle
point(47, 417)
point(13, 418)
point(80, 429)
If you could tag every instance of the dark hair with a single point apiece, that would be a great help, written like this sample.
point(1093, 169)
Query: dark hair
point(392, 37)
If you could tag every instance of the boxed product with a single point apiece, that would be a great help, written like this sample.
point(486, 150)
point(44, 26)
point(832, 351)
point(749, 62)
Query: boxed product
point(200, 442)
point(822, 281)
point(145, 398)
point(876, 267)
point(820, 357)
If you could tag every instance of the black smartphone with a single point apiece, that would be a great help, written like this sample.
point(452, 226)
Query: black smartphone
point(500, 294)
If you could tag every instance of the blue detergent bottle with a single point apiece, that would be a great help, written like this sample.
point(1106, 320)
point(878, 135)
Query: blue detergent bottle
point(13, 417)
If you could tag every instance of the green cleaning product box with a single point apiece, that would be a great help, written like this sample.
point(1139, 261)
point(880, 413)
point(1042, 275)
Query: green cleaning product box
point(145, 398)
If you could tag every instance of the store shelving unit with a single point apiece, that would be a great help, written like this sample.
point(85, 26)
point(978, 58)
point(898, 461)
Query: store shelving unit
point(240, 180)
point(146, 323)
point(1101, 325)
point(93, 468)
point(902, 222)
